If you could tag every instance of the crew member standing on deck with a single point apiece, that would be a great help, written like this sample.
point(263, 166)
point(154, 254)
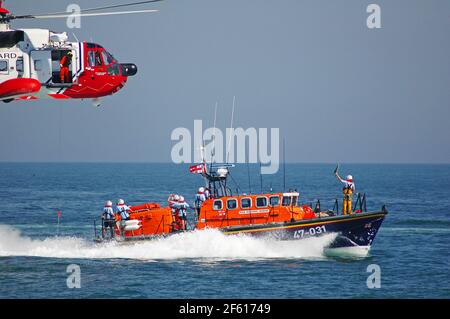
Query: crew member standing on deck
point(123, 210)
point(199, 199)
point(108, 218)
point(348, 190)
point(173, 201)
point(207, 193)
point(182, 208)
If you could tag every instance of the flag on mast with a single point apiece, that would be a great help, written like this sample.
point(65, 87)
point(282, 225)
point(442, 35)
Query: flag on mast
point(197, 169)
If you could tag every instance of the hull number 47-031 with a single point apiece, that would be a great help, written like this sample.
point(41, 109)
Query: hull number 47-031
point(300, 233)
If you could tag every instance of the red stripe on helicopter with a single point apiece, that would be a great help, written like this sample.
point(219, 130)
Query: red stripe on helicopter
point(59, 96)
point(27, 98)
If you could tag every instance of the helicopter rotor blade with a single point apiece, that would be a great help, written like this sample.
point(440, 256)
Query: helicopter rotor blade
point(67, 15)
point(114, 6)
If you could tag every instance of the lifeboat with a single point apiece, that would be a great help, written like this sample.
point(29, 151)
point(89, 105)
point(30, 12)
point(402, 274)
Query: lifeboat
point(277, 215)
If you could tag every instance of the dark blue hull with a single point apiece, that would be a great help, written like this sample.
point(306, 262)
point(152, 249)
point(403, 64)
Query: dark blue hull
point(352, 230)
point(356, 230)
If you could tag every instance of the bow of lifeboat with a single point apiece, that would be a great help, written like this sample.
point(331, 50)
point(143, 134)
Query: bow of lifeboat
point(279, 216)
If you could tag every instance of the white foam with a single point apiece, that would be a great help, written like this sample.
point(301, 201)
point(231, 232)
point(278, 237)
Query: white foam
point(355, 251)
point(197, 244)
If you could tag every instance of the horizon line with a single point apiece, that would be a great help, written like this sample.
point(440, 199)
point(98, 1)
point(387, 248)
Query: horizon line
point(159, 162)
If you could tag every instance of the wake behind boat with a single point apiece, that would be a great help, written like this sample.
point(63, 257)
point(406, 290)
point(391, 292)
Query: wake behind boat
point(275, 215)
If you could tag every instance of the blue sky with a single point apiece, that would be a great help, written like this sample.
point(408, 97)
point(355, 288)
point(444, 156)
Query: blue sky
point(338, 91)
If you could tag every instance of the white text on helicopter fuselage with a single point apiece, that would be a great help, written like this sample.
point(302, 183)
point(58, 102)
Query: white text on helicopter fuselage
point(237, 145)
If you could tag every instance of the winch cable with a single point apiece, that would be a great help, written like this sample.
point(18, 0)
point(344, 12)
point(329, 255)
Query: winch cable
point(59, 201)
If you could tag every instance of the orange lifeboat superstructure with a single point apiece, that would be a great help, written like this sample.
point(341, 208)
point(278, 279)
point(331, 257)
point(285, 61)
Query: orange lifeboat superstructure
point(152, 220)
point(221, 210)
point(228, 211)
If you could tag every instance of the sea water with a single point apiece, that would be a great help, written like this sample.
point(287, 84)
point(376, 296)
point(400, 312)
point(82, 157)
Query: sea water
point(411, 249)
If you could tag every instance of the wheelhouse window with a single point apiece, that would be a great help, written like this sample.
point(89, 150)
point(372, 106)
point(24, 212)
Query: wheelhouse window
point(4, 66)
point(217, 205)
point(232, 203)
point(286, 201)
point(274, 201)
point(246, 202)
point(261, 201)
point(294, 200)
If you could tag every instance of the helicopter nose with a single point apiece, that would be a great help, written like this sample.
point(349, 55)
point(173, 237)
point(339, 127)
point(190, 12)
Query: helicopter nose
point(129, 69)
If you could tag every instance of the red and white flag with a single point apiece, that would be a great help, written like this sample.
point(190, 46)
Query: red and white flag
point(197, 169)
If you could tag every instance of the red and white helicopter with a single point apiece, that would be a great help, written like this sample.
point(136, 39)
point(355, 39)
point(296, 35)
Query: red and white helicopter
point(39, 63)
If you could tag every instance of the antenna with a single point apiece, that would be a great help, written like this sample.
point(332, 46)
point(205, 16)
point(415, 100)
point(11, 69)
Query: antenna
point(231, 129)
point(284, 165)
point(213, 151)
point(248, 175)
point(75, 37)
point(260, 177)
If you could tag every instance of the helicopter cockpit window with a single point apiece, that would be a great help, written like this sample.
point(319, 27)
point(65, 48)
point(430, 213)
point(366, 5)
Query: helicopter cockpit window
point(107, 58)
point(113, 69)
point(94, 58)
point(3, 66)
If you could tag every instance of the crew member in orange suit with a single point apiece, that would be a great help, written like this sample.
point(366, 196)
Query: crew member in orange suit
point(64, 64)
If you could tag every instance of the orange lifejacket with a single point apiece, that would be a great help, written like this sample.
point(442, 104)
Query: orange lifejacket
point(65, 61)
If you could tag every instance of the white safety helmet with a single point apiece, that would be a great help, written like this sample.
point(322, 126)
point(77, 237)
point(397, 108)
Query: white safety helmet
point(181, 198)
point(108, 203)
point(120, 202)
point(201, 189)
point(176, 197)
point(349, 177)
